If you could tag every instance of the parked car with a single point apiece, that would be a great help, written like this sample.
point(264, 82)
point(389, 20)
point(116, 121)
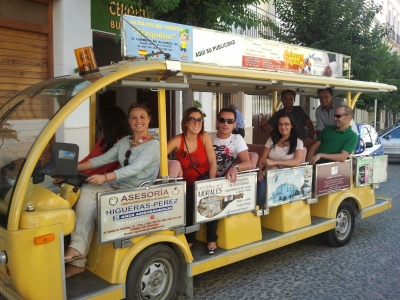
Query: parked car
point(368, 141)
point(390, 139)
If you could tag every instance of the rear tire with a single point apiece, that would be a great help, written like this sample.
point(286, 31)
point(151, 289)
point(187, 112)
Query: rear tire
point(153, 274)
point(345, 221)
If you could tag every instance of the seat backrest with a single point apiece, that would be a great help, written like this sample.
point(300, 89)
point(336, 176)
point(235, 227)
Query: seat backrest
point(174, 167)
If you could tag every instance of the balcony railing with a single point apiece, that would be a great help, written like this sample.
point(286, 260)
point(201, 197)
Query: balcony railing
point(254, 32)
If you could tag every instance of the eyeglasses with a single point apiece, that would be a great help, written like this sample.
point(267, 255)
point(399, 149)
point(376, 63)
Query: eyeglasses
point(324, 98)
point(127, 154)
point(338, 116)
point(229, 121)
point(284, 124)
point(194, 120)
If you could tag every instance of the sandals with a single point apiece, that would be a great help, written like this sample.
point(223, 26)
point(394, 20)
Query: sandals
point(211, 251)
point(69, 257)
point(71, 270)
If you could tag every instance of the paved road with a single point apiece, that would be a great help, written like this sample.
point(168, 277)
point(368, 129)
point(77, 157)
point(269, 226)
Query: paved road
point(366, 268)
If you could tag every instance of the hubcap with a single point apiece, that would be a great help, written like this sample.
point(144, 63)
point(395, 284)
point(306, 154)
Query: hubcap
point(343, 225)
point(156, 279)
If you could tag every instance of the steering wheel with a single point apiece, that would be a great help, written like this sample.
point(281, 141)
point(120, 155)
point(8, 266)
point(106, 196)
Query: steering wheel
point(79, 180)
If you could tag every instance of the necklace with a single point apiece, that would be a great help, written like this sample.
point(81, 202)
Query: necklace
point(139, 141)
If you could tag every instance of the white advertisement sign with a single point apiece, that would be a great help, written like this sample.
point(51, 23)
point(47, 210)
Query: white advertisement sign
point(218, 48)
point(218, 198)
point(380, 168)
point(134, 212)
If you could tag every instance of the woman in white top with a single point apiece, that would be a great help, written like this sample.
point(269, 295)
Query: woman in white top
point(283, 149)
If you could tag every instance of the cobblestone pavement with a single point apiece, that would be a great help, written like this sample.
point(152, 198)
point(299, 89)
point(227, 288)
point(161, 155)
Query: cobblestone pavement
point(366, 268)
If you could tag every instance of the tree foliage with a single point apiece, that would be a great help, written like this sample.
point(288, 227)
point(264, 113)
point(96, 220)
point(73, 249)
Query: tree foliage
point(341, 26)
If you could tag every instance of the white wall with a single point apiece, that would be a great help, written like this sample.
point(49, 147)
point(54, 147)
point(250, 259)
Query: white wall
point(72, 29)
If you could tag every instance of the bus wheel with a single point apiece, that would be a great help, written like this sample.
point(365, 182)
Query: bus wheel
point(153, 274)
point(344, 227)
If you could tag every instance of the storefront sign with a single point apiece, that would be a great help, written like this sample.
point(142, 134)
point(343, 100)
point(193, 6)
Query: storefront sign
point(287, 185)
point(188, 43)
point(364, 170)
point(107, 17)
point(134, 212)
point(380, 168)
point(217, 198)
point(332, 177)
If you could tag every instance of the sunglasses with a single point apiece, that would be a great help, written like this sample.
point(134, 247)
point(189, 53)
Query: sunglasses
point(338, 116)
point(127, 154)
point(194, 120)
point(229, 121)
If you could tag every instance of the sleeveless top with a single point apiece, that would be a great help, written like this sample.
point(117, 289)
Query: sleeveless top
point(199, 159)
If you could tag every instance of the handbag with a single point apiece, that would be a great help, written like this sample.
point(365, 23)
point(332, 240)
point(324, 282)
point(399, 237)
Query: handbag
point(201, 176)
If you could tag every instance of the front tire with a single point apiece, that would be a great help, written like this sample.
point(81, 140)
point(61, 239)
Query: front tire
point(345, 221)
point(153, 274)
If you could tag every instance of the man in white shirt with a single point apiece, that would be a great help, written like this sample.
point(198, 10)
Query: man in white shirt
point(231, 149)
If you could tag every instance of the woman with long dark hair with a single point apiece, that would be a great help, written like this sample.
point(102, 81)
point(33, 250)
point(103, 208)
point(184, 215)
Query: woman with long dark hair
point(284, 148)
point(194, 150)
point(114, 126)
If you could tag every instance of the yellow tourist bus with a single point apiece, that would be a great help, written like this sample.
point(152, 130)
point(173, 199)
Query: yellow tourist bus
point(133, 263)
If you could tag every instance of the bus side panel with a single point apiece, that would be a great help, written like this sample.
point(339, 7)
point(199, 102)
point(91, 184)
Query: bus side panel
point(327, 205)
point(35, 270)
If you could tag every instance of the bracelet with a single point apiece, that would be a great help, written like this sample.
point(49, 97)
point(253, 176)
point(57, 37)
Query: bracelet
point(105, 175)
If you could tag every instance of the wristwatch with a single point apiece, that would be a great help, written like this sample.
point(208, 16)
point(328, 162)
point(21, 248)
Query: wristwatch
point(235, 166)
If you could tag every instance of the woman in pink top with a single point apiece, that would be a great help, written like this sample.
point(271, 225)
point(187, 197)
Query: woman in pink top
point(283, 149)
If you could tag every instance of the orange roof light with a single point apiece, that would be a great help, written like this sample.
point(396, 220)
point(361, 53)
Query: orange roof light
point(86, 61)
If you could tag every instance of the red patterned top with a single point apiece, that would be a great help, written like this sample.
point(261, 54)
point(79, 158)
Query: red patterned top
point(199, 159)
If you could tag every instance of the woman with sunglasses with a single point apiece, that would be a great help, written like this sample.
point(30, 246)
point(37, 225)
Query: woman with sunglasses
point(139, 156)
point(284, 148)
point(194, 150)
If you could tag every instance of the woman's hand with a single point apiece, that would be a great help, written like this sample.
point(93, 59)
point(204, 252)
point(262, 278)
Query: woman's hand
point(260, 176)
point(269, 162)
point(96, 179)
point(58, 180)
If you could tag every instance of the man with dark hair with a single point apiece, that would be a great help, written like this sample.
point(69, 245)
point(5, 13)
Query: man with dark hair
point(335, 143)
point(239, 121)
point(232, 156)
point(324, 113)
point(301, 118)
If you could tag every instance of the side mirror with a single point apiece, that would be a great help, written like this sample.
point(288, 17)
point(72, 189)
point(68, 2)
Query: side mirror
point(368, 145)
point(388, 136)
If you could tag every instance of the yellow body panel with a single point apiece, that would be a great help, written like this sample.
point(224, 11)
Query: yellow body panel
point(287, 217)
point(49, 209)
point(112, 264)
point(67, 192)
point(328, 205)
point(259, 247)
point(35, 269)
point(377, 208)
point(235, 231)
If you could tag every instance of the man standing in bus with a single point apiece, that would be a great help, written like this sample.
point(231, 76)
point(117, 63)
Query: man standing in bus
point(301, 118)
point(325, 111)
point(335, 143)
point(239, 129)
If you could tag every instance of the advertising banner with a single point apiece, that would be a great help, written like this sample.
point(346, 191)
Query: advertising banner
point(217, 198)
point(134, 212)
point(364, 170)
point(218, 48)
point(287, 185)
point(201, 45)
point(332, 177)
point(174, 39)
point(380, 168)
